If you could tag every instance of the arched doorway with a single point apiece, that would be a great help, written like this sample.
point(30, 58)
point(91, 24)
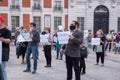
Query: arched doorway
point(101, 19)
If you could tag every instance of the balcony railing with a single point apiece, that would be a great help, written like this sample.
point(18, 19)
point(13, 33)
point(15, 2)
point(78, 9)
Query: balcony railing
point(36, 8)
point(58, 8)
point(15, 7)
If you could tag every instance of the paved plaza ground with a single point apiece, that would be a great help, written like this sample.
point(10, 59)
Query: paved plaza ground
point(111, 70)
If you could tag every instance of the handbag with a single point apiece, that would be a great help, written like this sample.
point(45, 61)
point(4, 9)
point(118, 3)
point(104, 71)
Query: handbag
point(83, 51)
point(99, 49)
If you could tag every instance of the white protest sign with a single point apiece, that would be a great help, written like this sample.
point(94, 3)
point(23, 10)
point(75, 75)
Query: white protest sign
point(86, 33)
point(0, 51)
point(26, 36)
point(63, 37)
point(20, 39)
point(44, 38)
point(95, 41)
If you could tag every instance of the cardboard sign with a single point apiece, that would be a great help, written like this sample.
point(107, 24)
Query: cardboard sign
point(86, 33)
point(26, 36)
point(95, 41)
point(44, 38)
point(63, 37)
point(20, 39)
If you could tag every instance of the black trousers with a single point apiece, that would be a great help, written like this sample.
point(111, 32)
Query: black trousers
point(23, 49)
point(47, 50)
point(73, 62)
point(100, 55)
point(82, 65)
point(108, 43)
point(1, 74)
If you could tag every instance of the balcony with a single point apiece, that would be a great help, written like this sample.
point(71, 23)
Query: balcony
point(58, 8)
point(36, 8)
point(15, 7)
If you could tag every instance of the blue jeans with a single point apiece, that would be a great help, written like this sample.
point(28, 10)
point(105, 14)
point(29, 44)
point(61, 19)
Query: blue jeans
point(58, 52)
point(34, 51)
point(3, 66)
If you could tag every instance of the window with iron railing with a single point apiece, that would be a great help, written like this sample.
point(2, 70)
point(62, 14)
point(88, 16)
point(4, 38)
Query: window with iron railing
point(15, 5)
point(37, 5)
point(119, 24)
point(81, 22)
point(14, 22)
point(57, 22)
point(37, 20)
point(58, 6)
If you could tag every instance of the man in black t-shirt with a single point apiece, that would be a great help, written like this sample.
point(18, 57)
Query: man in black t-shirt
point(5, 38)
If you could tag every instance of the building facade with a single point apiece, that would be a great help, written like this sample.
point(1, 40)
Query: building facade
point(91, 14)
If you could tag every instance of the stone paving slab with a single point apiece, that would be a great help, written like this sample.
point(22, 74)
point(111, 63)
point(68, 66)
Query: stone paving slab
point(111, 70)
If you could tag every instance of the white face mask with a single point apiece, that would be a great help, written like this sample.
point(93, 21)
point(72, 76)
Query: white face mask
point(31, 28)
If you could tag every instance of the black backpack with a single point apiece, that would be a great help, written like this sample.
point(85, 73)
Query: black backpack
point(83, 51)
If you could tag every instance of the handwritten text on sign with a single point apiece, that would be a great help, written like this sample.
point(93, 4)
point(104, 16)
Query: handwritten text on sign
point(26, 36)
point(44, 38)
point(63, 37)
point(95, 41)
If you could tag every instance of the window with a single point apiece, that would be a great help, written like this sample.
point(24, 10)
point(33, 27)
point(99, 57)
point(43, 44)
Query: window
point(58, 5)
point(15, 4)
point(37, 4)
point(57, 22)
point(119, 24)
point(81, 22)
point(37, 20)
point(15, 22)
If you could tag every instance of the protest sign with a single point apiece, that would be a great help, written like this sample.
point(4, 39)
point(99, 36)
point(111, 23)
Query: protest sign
point(0, 51)
point(63, 37)
point(26, 36)
point(44, 38)
point(86, 33)
point(20, 39)
point(95, 41)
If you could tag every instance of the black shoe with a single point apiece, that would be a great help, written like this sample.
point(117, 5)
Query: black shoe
point(27, 70)
point(34, 72)
point(83, 73)
point(48, 66)
point(60, 59)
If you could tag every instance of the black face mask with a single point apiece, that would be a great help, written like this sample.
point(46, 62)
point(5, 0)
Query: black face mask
point(72, 27)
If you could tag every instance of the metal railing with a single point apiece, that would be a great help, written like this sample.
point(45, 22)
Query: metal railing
point(15, 7)
point(36, 8)
point(58, 8)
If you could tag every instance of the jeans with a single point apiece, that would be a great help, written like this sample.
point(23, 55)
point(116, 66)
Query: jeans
point(3, 66)
point(34, 51)
point(58, 52)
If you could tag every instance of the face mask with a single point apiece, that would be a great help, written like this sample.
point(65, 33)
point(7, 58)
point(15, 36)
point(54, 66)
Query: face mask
point(98, 33)
point(31, 28)
point(72, 27)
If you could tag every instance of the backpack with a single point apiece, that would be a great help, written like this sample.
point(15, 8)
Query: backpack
point(83, 51)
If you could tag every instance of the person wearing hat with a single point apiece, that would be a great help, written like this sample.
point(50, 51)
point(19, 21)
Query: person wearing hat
point(5, 38)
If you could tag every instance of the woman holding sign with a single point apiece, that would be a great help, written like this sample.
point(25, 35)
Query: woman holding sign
point(100, 53)
point(47, 48)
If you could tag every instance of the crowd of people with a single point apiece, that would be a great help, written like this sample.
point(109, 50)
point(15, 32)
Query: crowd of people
point(75, 50)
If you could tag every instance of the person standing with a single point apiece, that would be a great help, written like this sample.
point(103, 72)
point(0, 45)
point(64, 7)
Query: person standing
point(5, 38)
point(47, 48)
point(100, 54)
point(32, 48)
point(72, 51)
point(109, 41)
point(83, 55)
point(23, 45)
